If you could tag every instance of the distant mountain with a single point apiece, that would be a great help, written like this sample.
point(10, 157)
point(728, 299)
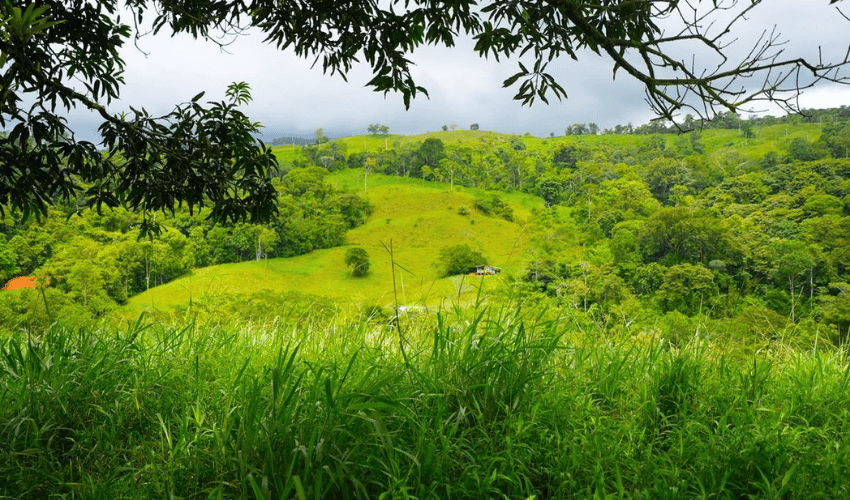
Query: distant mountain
point(298, 141)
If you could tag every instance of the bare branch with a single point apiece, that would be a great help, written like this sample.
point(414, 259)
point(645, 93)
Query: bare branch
point(672, 83)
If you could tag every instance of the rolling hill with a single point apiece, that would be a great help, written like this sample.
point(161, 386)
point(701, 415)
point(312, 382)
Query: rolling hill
point(418, 218)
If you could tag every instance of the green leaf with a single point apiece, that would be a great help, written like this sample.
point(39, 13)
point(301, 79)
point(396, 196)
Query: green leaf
point(510, 81)
point(299, 488)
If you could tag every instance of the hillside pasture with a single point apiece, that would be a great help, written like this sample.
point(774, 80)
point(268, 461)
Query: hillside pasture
point(418, 218)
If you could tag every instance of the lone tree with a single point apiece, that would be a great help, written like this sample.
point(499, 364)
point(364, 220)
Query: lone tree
point(458, 259)
point(358, 260)
point(321, 138)
point(57, 55)
point(374, 128)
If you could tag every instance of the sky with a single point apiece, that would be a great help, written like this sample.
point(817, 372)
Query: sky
point(291, 99)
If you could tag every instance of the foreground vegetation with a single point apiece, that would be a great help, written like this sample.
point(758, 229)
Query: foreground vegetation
point(676, 323)
point(485, 403)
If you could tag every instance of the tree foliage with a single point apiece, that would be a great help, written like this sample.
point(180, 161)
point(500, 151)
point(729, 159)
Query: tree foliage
point(320, 136)
point(495, 206)
point(205, 154)
point(358, 260)
point(375, 128)
point(458, 259)
point(195, 155)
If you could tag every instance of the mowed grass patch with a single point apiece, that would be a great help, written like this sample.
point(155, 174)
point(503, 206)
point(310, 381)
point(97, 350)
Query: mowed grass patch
point(321, 273)
point(432, 220)
point(772, 138)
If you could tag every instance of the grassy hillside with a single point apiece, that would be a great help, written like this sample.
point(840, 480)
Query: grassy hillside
point(654, 357)
point(718, 142)
point(418, 217)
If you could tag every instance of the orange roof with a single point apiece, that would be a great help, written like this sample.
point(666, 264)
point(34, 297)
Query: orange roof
point(24, 282)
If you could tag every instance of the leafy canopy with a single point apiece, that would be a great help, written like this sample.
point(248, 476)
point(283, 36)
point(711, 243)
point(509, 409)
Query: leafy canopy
point(205, 154)
point(358, 260)
point(458, 259)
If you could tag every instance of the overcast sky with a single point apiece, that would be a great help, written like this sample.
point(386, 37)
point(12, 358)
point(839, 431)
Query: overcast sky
point(292, 99)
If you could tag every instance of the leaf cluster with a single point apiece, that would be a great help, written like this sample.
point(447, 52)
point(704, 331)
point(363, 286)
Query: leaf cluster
point(459, 259)
point(199, 155)
point(358, 260)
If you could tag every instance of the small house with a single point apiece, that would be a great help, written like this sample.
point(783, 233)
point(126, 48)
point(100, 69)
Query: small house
point(485, 269)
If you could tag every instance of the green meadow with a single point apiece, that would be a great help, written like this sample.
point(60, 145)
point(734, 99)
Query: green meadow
point(416, 218)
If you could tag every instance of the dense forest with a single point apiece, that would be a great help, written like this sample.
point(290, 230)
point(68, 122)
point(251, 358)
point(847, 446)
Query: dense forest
point(667, 226)
point(645, 227)
point(96, 261)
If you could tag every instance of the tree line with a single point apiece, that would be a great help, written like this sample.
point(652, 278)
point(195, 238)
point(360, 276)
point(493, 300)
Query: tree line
point(98, 261)
point(665, 225)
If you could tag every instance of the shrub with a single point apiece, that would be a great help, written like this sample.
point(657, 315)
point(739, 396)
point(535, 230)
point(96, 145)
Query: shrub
point(493, 205)
point(459, 259)
point(358, 260)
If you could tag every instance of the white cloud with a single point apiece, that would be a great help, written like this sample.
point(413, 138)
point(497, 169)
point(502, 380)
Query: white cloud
point(291, 98)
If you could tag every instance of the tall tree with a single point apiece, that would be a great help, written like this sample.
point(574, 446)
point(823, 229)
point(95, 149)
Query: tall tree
point(458, 259)
point(431, 152)
point(8, 260)
point(792, 259)
point(320, 136)
point(264, 240)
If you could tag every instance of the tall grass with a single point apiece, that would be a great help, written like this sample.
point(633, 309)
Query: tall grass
point(488, 403)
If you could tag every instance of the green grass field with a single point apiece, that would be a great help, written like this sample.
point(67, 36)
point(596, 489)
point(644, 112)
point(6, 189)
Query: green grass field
point(417, 217)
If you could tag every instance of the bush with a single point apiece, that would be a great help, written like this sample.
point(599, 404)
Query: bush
point(459, 259)
point(375, 313)
point(493, 205)
point(358, 260)
point(803, 150)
